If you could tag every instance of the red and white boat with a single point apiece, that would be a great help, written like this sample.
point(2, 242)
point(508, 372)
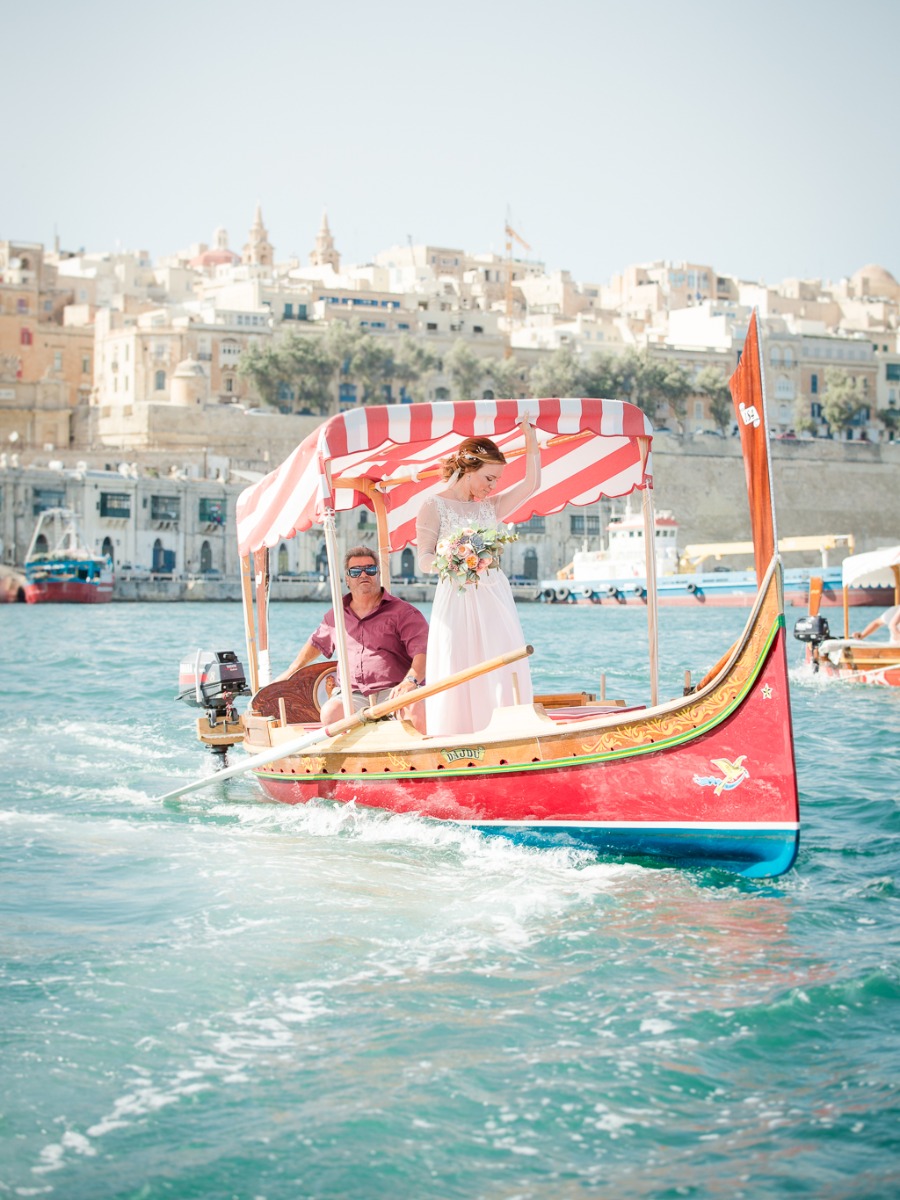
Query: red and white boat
point(706, 777)
point(60, 568)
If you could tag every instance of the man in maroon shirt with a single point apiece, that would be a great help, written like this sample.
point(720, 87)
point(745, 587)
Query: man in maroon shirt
point(386, 641)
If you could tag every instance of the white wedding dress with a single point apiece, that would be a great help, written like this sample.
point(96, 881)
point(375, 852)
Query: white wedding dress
point(469, 626)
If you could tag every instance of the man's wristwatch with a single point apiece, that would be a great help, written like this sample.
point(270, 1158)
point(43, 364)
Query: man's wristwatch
point(412, 679)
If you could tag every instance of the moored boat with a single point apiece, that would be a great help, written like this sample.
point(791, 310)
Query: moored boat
point(707, 776)
point(617, 573)
point(851, 657)
point(60, 568)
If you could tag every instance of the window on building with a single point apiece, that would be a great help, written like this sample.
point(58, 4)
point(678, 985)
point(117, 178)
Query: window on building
point(814, 384)
point(115, 504)
point(25, 337)
point(892, 371)
point(159, 381)
point(584, 523)
point(532, 525)
point(85, 364)
point(44, 498)
point(57, 360)
point(211, 511)
point(21, 306)
point(165, 508)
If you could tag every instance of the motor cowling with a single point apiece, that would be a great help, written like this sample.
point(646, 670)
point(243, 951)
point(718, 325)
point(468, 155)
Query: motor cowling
point(811, 629)
point(211, 679)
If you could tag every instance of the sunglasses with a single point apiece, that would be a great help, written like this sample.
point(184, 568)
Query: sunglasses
point(355, 572)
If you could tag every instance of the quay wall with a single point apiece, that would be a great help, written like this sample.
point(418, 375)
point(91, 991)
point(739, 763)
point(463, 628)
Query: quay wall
point(820, 487)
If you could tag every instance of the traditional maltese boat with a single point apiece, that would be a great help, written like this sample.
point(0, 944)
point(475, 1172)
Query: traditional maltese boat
point(705, 777)
point(852, 658)
point(60, 568)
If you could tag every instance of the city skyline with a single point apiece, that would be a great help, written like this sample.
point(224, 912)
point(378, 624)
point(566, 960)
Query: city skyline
point(760, 149)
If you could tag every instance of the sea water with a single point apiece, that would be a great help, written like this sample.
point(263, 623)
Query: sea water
point(222, 997)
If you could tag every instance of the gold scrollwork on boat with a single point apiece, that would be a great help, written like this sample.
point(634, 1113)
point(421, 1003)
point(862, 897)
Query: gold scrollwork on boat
point(399, 762)
point(315, 762)
point(688, 718)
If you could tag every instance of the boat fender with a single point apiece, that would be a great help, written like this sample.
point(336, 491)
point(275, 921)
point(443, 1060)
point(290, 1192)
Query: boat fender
point(613, 591)
point(692, 588)
point(587, 593)
point(639, 591)
point(548, 594)
point(562, 594)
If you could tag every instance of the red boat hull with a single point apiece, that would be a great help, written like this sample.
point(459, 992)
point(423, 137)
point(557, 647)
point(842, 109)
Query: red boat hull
point(69, 591)
point(711, 779)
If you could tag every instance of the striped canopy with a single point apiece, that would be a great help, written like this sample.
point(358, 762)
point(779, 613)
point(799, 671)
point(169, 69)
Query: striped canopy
point(589, 449)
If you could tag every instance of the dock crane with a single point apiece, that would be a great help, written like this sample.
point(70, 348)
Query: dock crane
point(511, 235)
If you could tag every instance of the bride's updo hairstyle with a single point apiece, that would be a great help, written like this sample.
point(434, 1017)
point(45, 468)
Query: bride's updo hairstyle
point(472, 454)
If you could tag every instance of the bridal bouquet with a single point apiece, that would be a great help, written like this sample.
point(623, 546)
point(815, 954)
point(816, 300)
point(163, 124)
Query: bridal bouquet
point(467, 553)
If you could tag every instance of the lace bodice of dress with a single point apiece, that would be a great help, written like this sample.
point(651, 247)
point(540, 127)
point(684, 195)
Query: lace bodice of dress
point(454, 513)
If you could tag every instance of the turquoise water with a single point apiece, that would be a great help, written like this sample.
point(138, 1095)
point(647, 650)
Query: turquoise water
point(220, 997)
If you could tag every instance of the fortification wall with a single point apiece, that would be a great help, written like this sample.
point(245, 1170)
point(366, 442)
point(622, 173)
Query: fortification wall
point(820, 487)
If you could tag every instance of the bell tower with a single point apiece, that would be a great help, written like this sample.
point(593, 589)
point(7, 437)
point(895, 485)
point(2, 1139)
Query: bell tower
point(324, 253)
point(258, 250)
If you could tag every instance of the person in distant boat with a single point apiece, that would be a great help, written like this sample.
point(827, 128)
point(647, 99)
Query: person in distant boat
point(475, 622)
point(890, 618)
point(387, 639)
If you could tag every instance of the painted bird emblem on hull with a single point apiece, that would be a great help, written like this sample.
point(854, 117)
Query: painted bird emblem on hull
point(733, 774)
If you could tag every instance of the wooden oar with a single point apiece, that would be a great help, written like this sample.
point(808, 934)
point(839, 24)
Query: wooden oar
point(296, 745)
point(815, 595)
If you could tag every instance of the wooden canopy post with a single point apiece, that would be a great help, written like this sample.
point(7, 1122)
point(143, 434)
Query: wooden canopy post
point(337, 601)
point(249, 624)
point(384, 537)
point(261, 582)
point(650, 564)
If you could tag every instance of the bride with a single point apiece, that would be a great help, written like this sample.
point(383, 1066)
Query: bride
point(480, 621)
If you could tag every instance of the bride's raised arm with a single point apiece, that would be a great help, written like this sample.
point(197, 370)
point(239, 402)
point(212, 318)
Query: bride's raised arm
point(507, 502)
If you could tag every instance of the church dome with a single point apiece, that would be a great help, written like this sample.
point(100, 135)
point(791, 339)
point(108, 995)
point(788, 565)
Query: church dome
point(873, 280)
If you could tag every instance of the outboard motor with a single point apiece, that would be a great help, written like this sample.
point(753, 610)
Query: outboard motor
point(213, 679)
point(812, 629)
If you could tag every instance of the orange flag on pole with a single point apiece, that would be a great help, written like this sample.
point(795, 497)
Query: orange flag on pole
point(749, 402)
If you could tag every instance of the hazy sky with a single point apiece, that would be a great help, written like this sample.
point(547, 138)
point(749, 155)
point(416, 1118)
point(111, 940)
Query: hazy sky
point(760, 138)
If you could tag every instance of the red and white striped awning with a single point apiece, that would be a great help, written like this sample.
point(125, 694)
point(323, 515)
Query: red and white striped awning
point(589, 449)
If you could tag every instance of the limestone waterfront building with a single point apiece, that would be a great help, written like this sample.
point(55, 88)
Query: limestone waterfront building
point(114, 356)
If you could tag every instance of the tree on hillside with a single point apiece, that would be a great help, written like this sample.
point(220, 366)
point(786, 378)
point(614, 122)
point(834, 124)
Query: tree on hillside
point(466, 371)
point(890, 419)
point(558, 374)
point(505, 377)
point(673, 385)
point(410, 363)
point(265, 370)
point(842, 400)
point(309, 370)
point(712, 385)
point(602, 377)
point(804, 421)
